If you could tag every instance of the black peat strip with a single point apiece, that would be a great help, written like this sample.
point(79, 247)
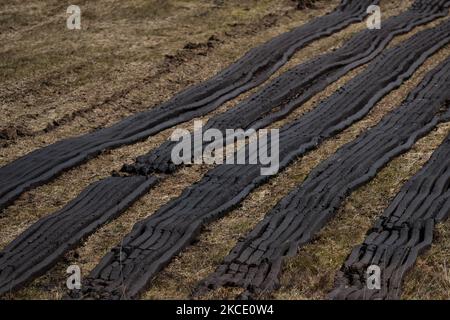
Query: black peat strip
point(39, 247)
point(296, 86)
point(251, 70)
point(154, 241)
point(362, 47)
point(401, 234)
point(255, 262)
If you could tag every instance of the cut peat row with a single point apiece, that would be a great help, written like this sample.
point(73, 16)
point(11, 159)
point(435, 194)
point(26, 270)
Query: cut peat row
point(255, 262)
point(250, 71)
point(287, 92)
point(153, 242)
point(402, 233)
point(38, 248)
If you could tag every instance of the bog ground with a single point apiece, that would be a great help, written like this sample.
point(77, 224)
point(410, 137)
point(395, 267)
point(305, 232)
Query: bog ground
point(85, 171)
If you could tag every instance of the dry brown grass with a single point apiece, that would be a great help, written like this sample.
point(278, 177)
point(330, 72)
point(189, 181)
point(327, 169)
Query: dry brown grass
point(50, 197)
point(310, 274)
point(122, 49)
